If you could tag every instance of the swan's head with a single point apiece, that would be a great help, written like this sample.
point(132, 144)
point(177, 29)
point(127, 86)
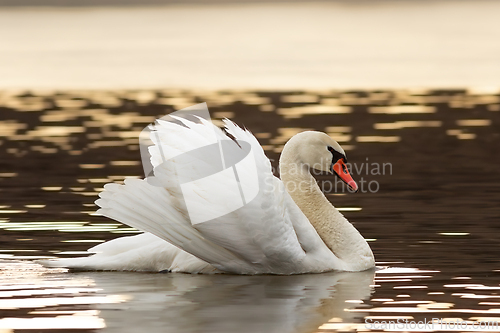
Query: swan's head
point(320, 152)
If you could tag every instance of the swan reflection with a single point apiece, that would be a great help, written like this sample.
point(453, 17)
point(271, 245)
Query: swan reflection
point(230, 303)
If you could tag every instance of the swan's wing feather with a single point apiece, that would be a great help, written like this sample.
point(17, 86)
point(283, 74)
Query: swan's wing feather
point(143, 252)
point(153, 209)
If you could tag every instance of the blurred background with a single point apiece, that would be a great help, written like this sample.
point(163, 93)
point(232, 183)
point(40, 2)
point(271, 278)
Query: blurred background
point(414, 84)
point(246, 44)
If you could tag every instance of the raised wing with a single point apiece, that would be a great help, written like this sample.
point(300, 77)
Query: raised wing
point(217, 198)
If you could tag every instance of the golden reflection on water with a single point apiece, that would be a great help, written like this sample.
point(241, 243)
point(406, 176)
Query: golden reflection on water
point(425, 308)
point(8, 174)
point(374, 138)
point(91, 139)
point(34, 206)
point(49, 296)
point(78, 320)
point(63, 226)
point(461, 135)
point(401, 109)
point(407, 124)
point(474, 122)
point(305, 98)
point(104, 129)
point(300, 111)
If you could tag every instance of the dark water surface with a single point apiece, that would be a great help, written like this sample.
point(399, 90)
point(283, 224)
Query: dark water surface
point(429, 210)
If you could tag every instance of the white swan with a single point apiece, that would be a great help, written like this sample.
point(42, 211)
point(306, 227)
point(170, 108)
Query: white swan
point(279, 231)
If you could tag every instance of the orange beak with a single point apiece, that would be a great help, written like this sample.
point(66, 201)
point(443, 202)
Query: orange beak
point(340, 170)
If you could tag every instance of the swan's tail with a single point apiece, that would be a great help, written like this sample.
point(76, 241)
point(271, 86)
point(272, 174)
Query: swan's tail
point(158, 210)
point(144, 253)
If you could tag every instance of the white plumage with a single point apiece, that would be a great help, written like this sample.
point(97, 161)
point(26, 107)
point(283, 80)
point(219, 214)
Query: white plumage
point(194, 228)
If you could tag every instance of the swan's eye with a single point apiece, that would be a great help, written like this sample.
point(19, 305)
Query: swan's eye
point(336, 155)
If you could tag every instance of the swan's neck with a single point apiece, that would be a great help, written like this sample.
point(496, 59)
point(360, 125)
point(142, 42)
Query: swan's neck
point(336, 232)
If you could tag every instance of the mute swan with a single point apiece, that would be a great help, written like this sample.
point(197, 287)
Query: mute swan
point(286, 226)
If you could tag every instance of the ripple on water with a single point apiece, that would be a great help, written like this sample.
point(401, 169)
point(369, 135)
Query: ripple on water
point(432, 223)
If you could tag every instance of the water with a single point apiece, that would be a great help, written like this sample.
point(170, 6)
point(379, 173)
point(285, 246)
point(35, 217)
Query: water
point(431, 219)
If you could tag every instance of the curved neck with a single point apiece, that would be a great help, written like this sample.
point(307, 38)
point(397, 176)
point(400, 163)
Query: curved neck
point(337, 233)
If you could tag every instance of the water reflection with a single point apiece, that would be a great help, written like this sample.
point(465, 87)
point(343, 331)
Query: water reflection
point(180, 302)
point(32, 297)
point(225, 303)
point(432, 222)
